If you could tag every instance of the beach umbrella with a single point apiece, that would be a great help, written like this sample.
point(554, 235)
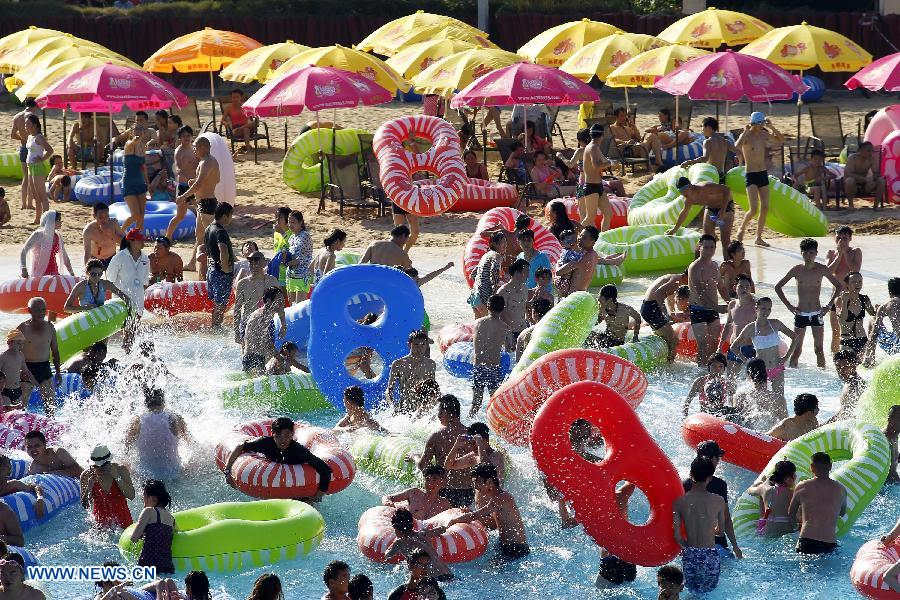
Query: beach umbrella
point(883, 74)
point(257, 64)
point(16, 60)
point(425, 34)
point(600, 58)
point(554, 46)
point(388, 39)
point(646, 42)
point(459, 70)
point(712, 27)
point(44, 80)
point(16, 40)
point(414, 59)
point(346, 59)
point(47, 61)
point(644, 69)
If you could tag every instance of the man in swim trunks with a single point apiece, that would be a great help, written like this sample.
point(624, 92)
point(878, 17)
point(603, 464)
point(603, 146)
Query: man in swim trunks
point(408, 371)
point(842, 261)
point(249, 291)
point(718, 205)
point(492, 336)
point(809, 312)
point(820, 502)
point(653, 308)
point(389, 252)
point(619, 318)
point(21, 134)
point(716, 148)
point(888, 340)
point(40, 347)
point(426, 501)
point(861, 176)
point(752, 147)
point(806, 407)
point(101, 236)
point(703, 514)
point(282, 448)
point(741, 312)
point(713, 452)
point(203, 189)
point(703, 280)
point(592, 197)
point(14, 369)
point(515, 294)
point(220, 274)
point(584, 268)
point(53, 461)
point(258, 342)
point(458, 491)
point(496, 509)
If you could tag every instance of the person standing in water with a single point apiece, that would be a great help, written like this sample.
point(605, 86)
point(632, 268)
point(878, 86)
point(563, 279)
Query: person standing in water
point(653, 308)
point(91, 292)
point(324, 260)
point(593, 197)
point(753, 145)
point(820, 501)
point(703, 279)
point(491, 337)
point(776, 493)
point(106, 487)
point(259, 341)
point(220, 271)
point(129, 270)
point(842, 261)
point(741, 312)
point(101, 236)
point(40, 347)
point(155, 435)
point(203, 189)
point(156, 526)
point(459, 490)
point(249, 293)
point(407, 371)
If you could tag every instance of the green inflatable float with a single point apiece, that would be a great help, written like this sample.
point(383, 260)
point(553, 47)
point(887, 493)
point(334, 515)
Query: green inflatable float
point(386, 456)
point(868, 459)
point(567, 325)
point(883, 393)
point(659, 202)
point(649, 352)
point(604, 274)
point(292, 393)
point(77, 332)
point(649, 248)
point(300, 168)
point(790, 212)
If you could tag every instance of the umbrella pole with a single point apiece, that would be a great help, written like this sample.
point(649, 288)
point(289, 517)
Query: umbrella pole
point(285, 137)
point(627, 107)
point(95, 144)
point(675, 124)
point(44, 117)
point(726, 116)
point(799, 110)
point(321, 162)
point(65, 141)
point(111, 178)
point(212, 96)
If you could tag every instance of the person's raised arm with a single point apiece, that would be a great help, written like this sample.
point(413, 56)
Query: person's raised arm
point(425, 279)
point(692, 393)
point(779, 289)
point(773, 131)
point(635, 317)
point(73, 305)
point(393, 499)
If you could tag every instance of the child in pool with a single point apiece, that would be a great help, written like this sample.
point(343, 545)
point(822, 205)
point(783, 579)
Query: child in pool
point(714, 390)
point(775, 496)
point(563, 283)
point(356, 416)
point(671, 582)
point(679, 305)
point(408, 541)
point(542, 289)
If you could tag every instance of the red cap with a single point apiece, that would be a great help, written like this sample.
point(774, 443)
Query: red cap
point(135, 235)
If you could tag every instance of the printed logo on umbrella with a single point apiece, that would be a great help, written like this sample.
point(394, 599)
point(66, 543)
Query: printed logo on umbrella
point(480, 70)
point(831, 51)
point(564, 47)
point(651, 62)
point(793, 49)
point(120, 83)
point(426, 63)
point(619, 58)
point(359, 84)
point(567, 82)
point(326, 90)
point(368, 73)
point(736, 27)
point(759, 79)
point(852, 47)
point(700, 30)
point(533, 84)
point(275, 63)
point(719, 80)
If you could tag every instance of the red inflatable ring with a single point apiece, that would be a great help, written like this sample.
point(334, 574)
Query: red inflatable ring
point(54, 289)
point(511, 409)
point(460, 543)
point(397, 165)
point(179, 297)
point(619, 211)
point(687, 343)
point(743, 447)
point(480, 195)
point(631, 455)
point(456, 332)
point(260, 478)
point(869, 567)
point(544, 240)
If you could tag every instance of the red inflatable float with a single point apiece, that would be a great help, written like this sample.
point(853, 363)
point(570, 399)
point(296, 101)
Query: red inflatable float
point(511, 409)
point(687, 343)
point(459, 543)
point(631, 455)
point(619, 211)
point(479, 195)
point(743, 447)
point(54, 289)
point(870, 567)
point(456, 332)
point(261, 478)
point(179, 297)
point(443, 159)
point(544, 240)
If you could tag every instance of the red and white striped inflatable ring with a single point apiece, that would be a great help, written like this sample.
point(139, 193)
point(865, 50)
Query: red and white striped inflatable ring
point(397, 165)
point(619, 209)
point(872, 562)
point(23, 422)
point(460, 543)
point(511, 410)
point(179, 297)
point(478, 244)
point(456, 332)
point(480, 195)
point(260, 478)
point(751, 450)
point(54, 289)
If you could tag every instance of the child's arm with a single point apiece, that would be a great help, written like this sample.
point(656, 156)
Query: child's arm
point(695, 389)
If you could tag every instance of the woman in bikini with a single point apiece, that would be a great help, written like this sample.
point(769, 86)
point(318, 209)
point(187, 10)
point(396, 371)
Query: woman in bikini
point(775, 496)
point(851, 307)
point(91, 292)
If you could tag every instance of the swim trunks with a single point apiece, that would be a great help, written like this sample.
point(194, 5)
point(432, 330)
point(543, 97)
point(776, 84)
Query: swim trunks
point(747, 351)
point(854, 344)
point(40, 370)
point(592, 188)
point(617, 571)
point(653, 314)
point(207, 205)
point(889, 341)
point(802, 320)
point(23, 154)
point(702, 314)
point(701, 568)
point(13, 393)
point(713, 213)
point(253, 361)
point(487, 376)
point(811, 546)
point(293, 284)
point(723, 177)
point(218, 285)
point(757, 178)
point(513, 550)
point(458, 497)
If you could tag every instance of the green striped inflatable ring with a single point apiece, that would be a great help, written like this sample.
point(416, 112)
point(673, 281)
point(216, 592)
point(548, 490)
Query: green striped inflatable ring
point(301, 171)
point(567, 325)
point(292, 393)
point(881, 394)
point(649, 352)
point(385, 456)
point(604, 274)
point(77, 332)
point(868, 457)
point(649, 248)
point(790, 212)
point(10, 167)
point(659, 201)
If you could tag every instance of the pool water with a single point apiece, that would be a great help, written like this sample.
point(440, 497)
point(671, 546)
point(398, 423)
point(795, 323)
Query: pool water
point(562, 565)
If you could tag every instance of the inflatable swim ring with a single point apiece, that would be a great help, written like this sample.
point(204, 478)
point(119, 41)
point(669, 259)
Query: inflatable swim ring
point(94, 189)
point(460, 543)
point(54, 289)
point(790, 212)
point(687, 343)
point(604, 274)
point(565, 326)
point(443, 160)
point(881, 394)
point(870, 566)
point(59, 493)
point(456, 332)
point(19, 467)
point(511, 409)
point(23, 422)
point(659, 202)
point(29, 558)
point(260, 478)
point(649, 248)
point(292, 393)
point(459, 360)
point(619, 208)
point(890, 166)
point(297, 326)
point(882, 124)
point(78, 331)
point(743, 447)
point(179, 297)
point(237, 536)
point(678, 154)
point(862, 475)
point(479, 195)
point(300, 168)
point(10, 167)
point(385, 455)
point(156, 219)
point(70, 383)
point(648, 353)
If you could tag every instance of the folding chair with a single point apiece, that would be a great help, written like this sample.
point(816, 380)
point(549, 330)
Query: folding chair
point(825, 120)
point(555, 129)
point(257, 134)
point(345, 184)
point(612, 150)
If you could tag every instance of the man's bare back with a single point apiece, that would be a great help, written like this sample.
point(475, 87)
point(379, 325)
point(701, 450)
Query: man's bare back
point(703, 277)
point(821, 501)
point(703, 515)
point(490, 338)
point(387, 253)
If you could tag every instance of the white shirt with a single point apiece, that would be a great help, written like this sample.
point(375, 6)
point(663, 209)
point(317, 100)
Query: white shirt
point(130, 276)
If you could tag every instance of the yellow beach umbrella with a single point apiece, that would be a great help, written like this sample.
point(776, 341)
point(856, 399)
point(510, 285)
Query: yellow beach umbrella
point(644, 69)
point(801, 47)
point(39, 67)
point(713, 27)
point(40, 82)
point(16, 40)
point(18, 59)
point(414, 59)
point(257, 64)
point(555, 45)
point(407, 39)
point(600, 58)
point(384, 40)
point(459, 70)
point(348, 59)
point(646, 42)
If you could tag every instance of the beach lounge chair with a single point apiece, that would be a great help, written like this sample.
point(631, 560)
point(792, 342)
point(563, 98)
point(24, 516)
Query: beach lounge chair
point(345, 184)
point(613, 151)
point(260, 132)
point(825, 120)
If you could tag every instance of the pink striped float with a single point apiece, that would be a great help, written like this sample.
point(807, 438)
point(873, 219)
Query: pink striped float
point(179, 297)
point(479, 195)
point(456, 332)
point(21, 422)
point(619, 211)
point(870, 566)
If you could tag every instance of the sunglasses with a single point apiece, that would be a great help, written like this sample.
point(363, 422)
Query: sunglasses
point(95, 273)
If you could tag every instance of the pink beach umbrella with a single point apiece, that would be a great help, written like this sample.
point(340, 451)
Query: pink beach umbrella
point(883, 74)
point(525, 83)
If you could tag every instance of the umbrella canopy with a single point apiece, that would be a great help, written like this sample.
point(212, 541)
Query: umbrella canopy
point(257, 64)
point(601, 58)
point(44, 81)
point(48, 60)
point(388, 39)
point(459, 70)
point(16, 40)
point(644, 69)
point(525, 83)
point(21, 58)
point(883, 74)
point(414, 59)
point(554, 46)
point(712, 27)
point(476, 38)
point(731, 76)
point(346, 59)
point(200, 51)
point(314, 88)
point(107, 88)
point(801, 47)
point(646, 42)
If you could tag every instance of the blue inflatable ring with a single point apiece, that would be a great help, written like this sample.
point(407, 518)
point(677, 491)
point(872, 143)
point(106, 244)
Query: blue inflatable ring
point(94, 189)
point(59, 492)
point(297, 326)
point(156, 219)
point(70, 383)
point(460, 357)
